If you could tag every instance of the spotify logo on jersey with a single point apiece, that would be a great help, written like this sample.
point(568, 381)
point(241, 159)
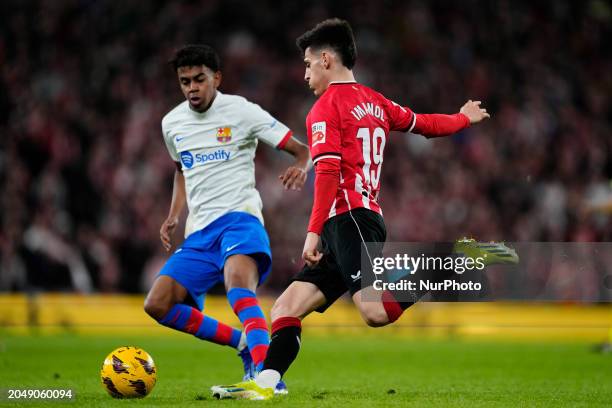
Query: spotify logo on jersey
point(189, 160)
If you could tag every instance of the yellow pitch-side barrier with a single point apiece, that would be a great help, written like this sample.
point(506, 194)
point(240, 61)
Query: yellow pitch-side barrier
point(111, 314)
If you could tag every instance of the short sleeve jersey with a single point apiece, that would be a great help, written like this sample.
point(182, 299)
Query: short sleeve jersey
point(216, 151)
point(350, 123)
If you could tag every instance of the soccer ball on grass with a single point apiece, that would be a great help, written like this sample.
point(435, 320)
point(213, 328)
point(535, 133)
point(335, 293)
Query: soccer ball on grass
point(128, 372)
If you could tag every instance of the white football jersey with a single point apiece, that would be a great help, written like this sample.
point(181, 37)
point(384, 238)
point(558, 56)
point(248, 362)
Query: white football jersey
point(216, 150)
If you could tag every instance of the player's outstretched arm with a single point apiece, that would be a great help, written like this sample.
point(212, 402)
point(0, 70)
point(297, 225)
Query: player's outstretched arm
point(295, 176)
point(437, 125)
point(176, 207)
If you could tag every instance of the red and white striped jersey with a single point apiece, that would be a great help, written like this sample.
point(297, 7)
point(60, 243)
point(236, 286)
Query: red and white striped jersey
point(351, 122)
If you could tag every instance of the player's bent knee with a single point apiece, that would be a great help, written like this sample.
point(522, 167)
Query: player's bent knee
point(375, 317)
point(156, 309)
point(376, 320)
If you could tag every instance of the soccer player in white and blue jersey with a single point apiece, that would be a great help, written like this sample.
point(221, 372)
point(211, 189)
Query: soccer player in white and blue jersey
point(212, 137)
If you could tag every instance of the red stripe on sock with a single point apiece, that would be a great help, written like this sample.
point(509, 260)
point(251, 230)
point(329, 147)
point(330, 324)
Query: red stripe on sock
point(243, 303)
point(194, 322)
point(255, 323)
point(393, 309)
point(258, 353)
point(282, 322)
point(223, 334)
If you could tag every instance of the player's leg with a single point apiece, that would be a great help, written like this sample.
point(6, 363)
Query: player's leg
point(295, 303)
point(171, 304)
point(381, 308)
point(357, 238)
point(313, 288)
point(371, 308)
point(246, 262)
point(241, 276)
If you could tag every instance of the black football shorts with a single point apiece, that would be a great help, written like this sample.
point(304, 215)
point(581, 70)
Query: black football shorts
point(340, 268)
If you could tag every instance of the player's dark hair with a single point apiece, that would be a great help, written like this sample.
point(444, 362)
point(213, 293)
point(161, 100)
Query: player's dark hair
point(196, 55)
point(334, 33)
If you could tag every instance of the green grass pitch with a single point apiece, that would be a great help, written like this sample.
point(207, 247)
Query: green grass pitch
point(343, 370)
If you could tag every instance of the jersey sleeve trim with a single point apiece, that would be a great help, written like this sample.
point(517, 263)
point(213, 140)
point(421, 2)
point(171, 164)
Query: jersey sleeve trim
point(326, 155)
point(413, 122)
point(284, 140)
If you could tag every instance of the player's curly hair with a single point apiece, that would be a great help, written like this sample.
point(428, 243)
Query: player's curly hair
point(334, 33)
point(196, 55)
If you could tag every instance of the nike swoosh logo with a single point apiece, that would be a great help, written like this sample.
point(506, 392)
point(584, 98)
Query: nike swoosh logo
point(178, 139)
point(229, 248)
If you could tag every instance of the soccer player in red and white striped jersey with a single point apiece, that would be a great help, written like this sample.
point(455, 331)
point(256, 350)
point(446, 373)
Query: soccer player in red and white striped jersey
point(348, 129)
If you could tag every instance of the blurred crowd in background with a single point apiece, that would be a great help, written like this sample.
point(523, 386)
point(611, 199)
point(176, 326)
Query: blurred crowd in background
point(86, 180)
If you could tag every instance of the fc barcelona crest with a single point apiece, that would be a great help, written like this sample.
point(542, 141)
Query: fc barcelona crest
point(224, 134)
